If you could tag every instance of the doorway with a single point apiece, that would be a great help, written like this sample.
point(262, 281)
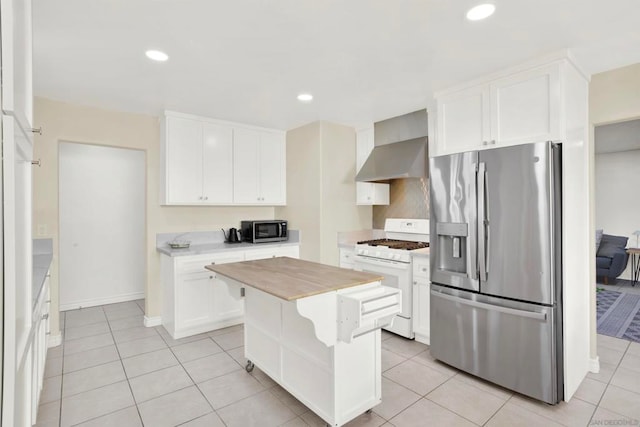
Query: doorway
point(102, 225)
point(616, 173)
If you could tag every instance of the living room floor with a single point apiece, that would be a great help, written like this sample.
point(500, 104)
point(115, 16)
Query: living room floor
point(621, 285)
point(113, 371)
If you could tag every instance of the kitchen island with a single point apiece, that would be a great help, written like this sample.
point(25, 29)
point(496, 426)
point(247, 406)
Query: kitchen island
point(315, 330)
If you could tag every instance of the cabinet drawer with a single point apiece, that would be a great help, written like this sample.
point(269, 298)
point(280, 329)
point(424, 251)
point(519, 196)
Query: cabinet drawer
point(346, 256)
point(421, 268)
point(290, 251)
point(363, 311)
point(196, 264)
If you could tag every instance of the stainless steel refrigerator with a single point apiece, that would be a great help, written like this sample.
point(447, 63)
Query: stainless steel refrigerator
point(496, 270)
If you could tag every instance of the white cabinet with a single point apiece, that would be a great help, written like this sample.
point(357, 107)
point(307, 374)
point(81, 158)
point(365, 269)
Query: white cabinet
point(368, 193)
point(39, 346)
point(17, 64)
point(463, 120)
point(521, 108)
point(197, 161)
point(421, 299)
point(259, 167)
point(196, 300)
point(347, 258)
point(207, 162)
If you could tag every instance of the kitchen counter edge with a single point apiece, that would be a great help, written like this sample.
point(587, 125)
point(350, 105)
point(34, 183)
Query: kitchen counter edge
point(210, 248)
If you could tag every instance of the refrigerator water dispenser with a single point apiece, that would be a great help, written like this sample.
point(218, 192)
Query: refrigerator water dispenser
point(452, 243)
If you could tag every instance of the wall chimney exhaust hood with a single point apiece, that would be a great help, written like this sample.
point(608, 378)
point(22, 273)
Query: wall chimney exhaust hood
point(400, 149)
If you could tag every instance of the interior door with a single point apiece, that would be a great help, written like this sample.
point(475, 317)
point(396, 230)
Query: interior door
point(518, 232)
point(102, 225)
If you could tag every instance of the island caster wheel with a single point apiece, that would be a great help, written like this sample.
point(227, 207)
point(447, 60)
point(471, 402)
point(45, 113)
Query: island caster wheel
point(249, 366)
point(368, 411)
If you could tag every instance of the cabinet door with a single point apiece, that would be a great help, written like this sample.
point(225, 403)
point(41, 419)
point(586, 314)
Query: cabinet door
point(194, 300)
point(17, 62)
point(368, 193)
point(227, 302)
point(246, 144)
point(184, 161)
point(526, 107)
point(272, 178)
point(421, 288)
point(463, 120)
point(217, 164)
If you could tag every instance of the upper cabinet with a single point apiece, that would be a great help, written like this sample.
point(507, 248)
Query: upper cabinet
point(368, 193)
point(17, 64)
point(259, 167)
point(206, 162)
point(198, 162)
point(521, 108)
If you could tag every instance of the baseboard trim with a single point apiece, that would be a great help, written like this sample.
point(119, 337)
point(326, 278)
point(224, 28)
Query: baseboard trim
point(54, 340)
point(150, 322)
point(101, 301)
point(594, 365)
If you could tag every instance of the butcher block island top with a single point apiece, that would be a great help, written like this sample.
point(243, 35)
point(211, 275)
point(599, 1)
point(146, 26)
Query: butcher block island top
point(292, 279)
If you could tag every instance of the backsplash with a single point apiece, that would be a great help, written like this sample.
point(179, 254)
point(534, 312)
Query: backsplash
point(408, 198)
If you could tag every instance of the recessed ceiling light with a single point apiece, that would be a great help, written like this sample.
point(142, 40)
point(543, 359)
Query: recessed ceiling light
point(305, 97)
point(480, 12)
point(157, 55)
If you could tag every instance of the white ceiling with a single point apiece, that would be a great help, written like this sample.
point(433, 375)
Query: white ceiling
point(363, 60)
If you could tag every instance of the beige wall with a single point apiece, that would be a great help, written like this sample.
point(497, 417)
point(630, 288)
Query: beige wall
point(339, 210)
point(321, 192)
point(614, 96)
point(303, 188)
point(74, 123)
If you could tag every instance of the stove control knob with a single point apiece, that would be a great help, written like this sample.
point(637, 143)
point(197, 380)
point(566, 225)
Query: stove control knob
point(360, 251)
point(390, 256)
point(366, 252)
point(396, 256)
point(378, 253)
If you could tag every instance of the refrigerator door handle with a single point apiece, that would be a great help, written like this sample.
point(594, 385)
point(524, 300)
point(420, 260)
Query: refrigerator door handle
point(506, 310)
point(482, 236)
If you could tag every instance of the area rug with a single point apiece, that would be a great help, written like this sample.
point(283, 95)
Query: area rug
point(618, 314)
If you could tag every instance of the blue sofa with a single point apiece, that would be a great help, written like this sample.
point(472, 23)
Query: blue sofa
point(611, 257)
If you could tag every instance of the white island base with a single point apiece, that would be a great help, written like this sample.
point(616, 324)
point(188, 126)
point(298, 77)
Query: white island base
point(338, 381)
point(315, 330)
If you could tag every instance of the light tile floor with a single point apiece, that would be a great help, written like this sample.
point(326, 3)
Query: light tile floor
point(112, 371)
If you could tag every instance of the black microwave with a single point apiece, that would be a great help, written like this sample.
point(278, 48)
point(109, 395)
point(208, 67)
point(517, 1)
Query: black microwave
point(264, 231)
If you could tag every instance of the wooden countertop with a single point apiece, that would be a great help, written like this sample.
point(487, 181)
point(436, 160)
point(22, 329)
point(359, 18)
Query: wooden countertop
point(290, 278)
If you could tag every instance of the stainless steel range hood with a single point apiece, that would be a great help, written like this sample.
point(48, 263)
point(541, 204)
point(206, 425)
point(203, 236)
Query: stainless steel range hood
point(400, 149)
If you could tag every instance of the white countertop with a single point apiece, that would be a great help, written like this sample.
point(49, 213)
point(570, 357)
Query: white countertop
point(207, 242)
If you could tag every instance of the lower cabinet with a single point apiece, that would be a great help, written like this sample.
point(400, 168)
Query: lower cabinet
point(421, 299)
point(39, 347)
point(346, 258)
point(196, 301)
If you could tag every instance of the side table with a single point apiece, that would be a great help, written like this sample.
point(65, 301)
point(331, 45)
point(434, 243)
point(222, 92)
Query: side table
point(634, 253)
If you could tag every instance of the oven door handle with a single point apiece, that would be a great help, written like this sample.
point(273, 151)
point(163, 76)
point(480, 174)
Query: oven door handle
point(379, 262)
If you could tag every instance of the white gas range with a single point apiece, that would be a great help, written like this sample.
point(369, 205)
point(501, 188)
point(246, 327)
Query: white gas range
point(391, 257)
